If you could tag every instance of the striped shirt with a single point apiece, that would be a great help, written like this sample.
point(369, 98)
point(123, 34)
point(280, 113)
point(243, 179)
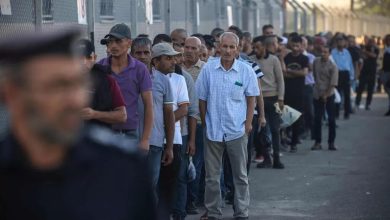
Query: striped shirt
point(225, 92)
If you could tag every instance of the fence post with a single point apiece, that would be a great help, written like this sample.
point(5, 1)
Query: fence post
point(38, 14)
point(91, 20)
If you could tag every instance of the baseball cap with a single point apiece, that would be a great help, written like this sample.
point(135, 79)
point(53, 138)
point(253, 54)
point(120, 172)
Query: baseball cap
point(35, 43)
point(163, 49)
point(85, 47)
point(118, 31)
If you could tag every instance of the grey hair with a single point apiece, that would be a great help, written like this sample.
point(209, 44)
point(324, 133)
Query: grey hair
point(180, 30)
point(230, 34)
point(141, 41)
point(197, 40)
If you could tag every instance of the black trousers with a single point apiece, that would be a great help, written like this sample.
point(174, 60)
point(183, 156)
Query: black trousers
point(344, 88)
point(273, 124)
point(294, 98)
point(366, 79)
point(308, 109)
point(169, 179)
point(319, 110)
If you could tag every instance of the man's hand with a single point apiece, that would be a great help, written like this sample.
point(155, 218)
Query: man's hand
point(167, 156)
point(262, 121)
point(191, 148)
point(88, 113)
point(144, 145)
point(281, 104)
point(323, 98)
point(248, 128)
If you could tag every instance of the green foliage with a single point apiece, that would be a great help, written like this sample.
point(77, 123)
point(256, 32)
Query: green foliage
point(380, 7)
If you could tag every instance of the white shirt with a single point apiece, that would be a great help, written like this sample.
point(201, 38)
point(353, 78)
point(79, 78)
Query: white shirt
point(180, 96)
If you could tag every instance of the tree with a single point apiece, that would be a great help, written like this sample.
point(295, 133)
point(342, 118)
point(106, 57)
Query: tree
point(381, 7)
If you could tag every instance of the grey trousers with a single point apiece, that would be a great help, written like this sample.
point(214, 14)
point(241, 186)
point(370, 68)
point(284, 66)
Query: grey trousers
point(238, 155)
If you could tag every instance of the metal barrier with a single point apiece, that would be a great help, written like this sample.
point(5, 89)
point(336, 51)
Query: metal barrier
point(197, 16)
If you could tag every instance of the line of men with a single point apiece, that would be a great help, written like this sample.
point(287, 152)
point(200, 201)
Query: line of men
point(198, 99)
point(210, 106)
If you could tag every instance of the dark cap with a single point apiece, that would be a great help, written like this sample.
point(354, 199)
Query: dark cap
point(118, 31)
point(24, 46)
point(85, 48)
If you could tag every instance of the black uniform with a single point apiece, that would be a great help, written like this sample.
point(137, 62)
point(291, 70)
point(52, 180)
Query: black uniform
point(97, 180)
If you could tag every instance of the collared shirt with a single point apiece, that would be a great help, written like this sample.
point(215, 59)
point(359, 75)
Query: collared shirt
point(309, 78)
point(343, 61)
point(225, 92)
point(326, 75)
point(133, 80)
point(162, 95)
point(195, 69)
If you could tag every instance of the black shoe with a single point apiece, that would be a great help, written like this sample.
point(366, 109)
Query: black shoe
point(191, 209)
point(264, 164)
point(316, 146)
point(387, 113)
point(293, 149)
point(368, 108)
point(278, 165)
point(229, 198)
point(332, 147)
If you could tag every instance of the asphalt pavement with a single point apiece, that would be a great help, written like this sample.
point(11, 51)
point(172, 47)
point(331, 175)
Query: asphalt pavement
point(350, 183)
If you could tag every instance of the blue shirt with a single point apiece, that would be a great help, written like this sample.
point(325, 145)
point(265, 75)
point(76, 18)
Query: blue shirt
point(343, 61)
point(225, 92)
point(309, 78)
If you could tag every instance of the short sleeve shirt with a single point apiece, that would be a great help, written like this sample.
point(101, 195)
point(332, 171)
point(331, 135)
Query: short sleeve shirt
point(296, 63)
point(180, 96)
point(162, 95)
point(225, 92)
point(133, 80)
point(117, 98)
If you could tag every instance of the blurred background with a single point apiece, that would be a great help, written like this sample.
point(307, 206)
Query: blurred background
point(357, 17)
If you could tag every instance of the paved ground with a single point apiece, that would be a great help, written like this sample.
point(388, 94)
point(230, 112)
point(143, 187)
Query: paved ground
point(351, 183)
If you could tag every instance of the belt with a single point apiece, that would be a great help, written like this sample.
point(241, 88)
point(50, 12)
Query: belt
point(123, 130)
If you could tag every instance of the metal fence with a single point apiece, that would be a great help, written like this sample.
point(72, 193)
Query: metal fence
point(197, 16)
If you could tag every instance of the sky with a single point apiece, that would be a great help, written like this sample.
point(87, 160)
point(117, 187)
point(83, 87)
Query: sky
point(334, 3)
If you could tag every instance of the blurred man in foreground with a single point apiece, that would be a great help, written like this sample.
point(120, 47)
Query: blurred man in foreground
point(50, 167)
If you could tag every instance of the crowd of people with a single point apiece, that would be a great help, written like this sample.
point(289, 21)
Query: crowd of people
point(200, 109)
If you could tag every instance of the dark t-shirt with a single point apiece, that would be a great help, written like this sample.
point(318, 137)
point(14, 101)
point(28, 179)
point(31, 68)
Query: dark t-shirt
point(370, 63)
point(117, 98)
point(355, 53)
point(97, 181)
point(294, 87)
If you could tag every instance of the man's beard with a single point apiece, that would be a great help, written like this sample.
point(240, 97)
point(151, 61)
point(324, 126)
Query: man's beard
point(47, 131)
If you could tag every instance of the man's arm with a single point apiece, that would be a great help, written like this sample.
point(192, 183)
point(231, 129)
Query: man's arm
point(148, 119)
point(250, 102)
point(191, 147)
point(181, 112)
point(118, 115)
point(260, 107)
point(169, 127)
point(297, 73)
point(202, 110)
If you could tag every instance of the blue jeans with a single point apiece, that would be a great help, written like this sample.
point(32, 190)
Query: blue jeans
point(154, 163)
point(196, 187)
point(180, 195)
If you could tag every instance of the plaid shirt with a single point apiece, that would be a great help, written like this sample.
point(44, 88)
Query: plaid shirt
point(225, 92)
